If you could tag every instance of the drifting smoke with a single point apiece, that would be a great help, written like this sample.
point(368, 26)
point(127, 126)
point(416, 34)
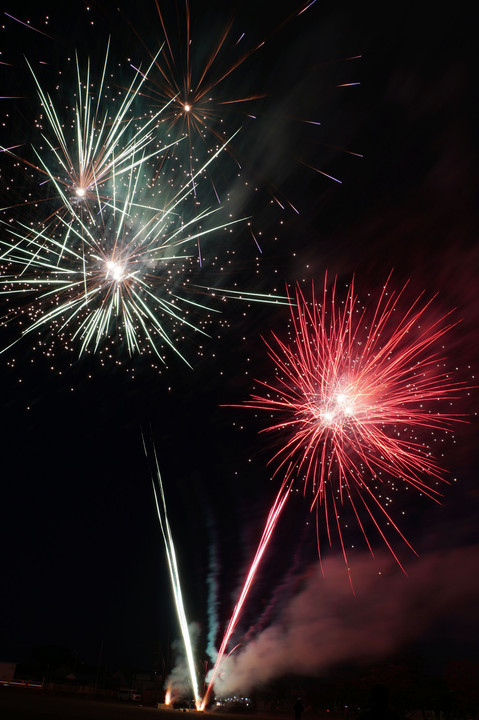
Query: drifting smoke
point(179, 680)
point(326, 624)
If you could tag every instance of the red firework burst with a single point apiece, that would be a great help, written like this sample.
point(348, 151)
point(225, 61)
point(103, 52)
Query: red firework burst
point(359, 394)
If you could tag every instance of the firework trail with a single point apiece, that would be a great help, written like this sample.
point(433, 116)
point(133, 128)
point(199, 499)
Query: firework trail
point(212, 594)
point(27, 25)
point(356, 392)
point(271, 522)
point(161, 509)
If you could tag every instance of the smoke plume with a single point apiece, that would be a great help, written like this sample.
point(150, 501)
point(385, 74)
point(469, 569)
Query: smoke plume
point(326, 623)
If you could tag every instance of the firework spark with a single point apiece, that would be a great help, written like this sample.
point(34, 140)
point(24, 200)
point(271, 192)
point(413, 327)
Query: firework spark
point(358, 392)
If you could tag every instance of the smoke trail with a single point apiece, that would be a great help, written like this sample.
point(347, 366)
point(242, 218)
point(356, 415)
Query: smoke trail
point(212, 586)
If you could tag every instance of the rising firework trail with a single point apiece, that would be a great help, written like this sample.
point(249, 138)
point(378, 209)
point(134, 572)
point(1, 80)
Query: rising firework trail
point(161, 509)
point(271, 522)
point(359, 394)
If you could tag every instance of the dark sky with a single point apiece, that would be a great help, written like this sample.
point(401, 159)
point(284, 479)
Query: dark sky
point(83, 563)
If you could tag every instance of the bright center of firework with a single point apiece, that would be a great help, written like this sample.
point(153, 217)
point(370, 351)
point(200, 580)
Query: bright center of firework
point(333, 411)
point(80, 192)
point(116, 270)
point(187, 107)
point(344, 403)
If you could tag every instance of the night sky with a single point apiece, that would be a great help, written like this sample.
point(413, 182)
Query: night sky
point(83, 562)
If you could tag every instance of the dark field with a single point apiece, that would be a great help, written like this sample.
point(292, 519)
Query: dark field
point(23, 704)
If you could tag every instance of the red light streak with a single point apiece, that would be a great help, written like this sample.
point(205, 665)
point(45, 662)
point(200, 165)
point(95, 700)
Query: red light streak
point(273, 516)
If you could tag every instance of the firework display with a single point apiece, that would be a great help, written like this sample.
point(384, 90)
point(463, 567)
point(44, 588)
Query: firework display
point(100, 145)
point(114, 256)
point(356, 391)
point(119, 272)
point(124, 212)
point(198, 84)
point(359, 393)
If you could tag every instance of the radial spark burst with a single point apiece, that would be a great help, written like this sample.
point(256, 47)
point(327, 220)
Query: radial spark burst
point(192, 83)
point(199, 74)
point(87, 139)
point(119, 274)
point(359, 395)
